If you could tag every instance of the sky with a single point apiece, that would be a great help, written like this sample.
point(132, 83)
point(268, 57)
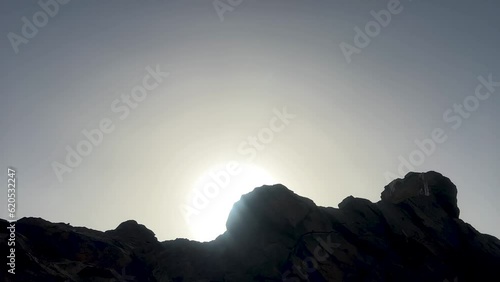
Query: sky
point(166, 112)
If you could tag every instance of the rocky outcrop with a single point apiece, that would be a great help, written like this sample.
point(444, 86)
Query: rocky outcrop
point(413, 233)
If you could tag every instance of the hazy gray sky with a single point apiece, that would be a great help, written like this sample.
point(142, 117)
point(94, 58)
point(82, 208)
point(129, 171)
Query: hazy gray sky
point(231, 74)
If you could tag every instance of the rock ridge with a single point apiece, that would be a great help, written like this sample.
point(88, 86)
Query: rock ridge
point(413, 233)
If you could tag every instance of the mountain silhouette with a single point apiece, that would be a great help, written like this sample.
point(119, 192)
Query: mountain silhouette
point(413, 233)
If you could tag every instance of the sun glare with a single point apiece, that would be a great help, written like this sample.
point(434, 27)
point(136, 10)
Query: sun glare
point(217, 190)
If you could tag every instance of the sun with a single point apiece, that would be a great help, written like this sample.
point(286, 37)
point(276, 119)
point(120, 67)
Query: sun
point(217, 190)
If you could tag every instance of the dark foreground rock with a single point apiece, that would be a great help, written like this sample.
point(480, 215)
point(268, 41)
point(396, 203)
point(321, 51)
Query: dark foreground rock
point(413, 234)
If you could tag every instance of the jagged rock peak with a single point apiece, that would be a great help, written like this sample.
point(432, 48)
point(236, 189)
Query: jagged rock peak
point(273, 206)
point(423, 186)
point(133, 230)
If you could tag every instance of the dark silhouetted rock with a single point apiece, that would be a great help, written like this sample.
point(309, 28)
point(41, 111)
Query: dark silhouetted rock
point(413, 234)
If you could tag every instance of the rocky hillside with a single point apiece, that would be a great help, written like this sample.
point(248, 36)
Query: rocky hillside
point(413, 233)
